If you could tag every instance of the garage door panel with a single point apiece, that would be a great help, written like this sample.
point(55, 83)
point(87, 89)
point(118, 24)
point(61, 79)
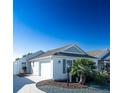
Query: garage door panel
point(35, 68)
point(46, 70)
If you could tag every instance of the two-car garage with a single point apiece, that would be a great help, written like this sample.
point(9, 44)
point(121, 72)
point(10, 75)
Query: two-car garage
point(43, 69)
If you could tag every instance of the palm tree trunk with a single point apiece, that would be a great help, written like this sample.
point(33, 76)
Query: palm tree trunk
point(82, 79)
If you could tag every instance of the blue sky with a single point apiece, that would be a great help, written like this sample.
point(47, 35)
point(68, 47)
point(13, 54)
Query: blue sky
point(48, 24)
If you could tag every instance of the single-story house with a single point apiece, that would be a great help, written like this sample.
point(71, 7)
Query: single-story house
point(53, 63)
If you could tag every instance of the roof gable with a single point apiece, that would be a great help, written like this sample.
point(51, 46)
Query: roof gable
point(73, 49)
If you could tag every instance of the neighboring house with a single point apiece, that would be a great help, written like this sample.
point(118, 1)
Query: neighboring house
point(53, 64)
point(24, 62)
point(103, 57)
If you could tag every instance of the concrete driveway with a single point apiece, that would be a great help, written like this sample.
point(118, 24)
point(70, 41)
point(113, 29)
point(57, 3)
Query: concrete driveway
point(26, 84)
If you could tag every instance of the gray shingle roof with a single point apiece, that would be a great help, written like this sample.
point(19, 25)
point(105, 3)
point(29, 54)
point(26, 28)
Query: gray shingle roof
point(33, 55)
point(96, 53)
point(100, 53)
point(53, 51)
point(58, 51)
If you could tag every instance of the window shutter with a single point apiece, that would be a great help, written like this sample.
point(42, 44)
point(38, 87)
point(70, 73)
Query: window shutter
point(64, 66)
point(73, 62)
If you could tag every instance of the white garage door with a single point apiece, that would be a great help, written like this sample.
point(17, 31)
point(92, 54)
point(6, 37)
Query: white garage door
point(46, 70)
point(35, 68)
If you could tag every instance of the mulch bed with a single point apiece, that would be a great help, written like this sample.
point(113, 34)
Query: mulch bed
point(62, 84)
point(22, 74)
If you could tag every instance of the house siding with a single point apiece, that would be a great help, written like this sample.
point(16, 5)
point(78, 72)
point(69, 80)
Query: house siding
point(58, 69)
point(58, 66)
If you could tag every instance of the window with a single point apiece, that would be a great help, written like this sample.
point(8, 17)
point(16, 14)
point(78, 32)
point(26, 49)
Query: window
point(64, 66)
point(69, 63)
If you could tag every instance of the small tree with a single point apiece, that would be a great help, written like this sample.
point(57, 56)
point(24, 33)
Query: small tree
point(27, 54)
point(83, 67)
point(17, 59)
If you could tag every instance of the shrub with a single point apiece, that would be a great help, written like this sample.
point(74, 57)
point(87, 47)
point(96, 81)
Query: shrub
point(91, 77)
point(101, 77)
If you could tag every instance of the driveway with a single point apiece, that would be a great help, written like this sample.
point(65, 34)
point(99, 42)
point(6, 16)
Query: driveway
point(26, 84)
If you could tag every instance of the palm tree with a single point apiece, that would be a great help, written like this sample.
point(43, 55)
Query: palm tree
point(83, 68)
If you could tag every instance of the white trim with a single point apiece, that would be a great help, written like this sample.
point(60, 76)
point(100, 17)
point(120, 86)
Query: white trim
point(37, 59)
